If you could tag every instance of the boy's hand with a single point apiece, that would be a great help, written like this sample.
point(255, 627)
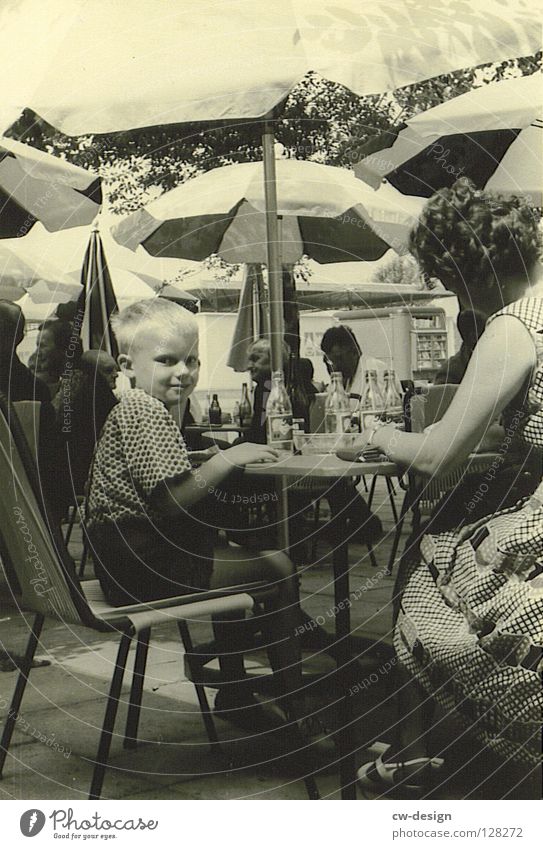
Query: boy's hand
point(204, 455)
point(250, 452)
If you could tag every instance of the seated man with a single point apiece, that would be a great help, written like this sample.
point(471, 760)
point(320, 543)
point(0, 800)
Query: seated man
point(342, 353)
point(362, 524)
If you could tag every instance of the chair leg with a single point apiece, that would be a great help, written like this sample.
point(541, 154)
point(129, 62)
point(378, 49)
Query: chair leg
point(205, 710)
point(306, 760)
point(71, 523)
point(316, 523)
point(406, 503)
point(373, 559)
point(109, 719)
point(84, 556)
point(136, 691)
point(18, 694)
point(372, 491)
point(391, 494)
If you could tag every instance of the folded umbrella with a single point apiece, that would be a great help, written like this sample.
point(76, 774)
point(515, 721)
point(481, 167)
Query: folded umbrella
point(97, 301)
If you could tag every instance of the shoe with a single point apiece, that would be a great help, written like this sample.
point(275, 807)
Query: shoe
point(310, 730)
point(245, 711)
point(315, 733)
point(379, 776)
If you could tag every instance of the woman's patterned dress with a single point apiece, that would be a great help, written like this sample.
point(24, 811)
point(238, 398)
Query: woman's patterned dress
point(470, 626)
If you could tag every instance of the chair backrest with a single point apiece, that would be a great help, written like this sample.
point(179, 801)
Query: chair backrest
point(28, 413)
point(31, 542)
point(316, 413)
point(429, 407)
point(425, 409)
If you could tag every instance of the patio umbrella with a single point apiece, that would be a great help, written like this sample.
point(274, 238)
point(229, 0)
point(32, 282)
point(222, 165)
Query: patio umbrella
point(101, 67)
point(105, 67)
point(325, 213)
point(39, 276)
point(35, 186)
point(492, 134)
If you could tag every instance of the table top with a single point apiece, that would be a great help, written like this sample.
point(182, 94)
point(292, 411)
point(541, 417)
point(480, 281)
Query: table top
point(203, 427)
point(330, 466)
point(321, 466)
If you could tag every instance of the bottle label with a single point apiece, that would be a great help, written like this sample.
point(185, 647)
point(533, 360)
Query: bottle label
point(338, 422)
point(369, 419)
point(279, 427)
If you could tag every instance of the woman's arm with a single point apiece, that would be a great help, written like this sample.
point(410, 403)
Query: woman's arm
point(501, 362)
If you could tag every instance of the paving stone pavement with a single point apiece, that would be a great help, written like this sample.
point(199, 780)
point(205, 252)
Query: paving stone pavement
point(57, 730)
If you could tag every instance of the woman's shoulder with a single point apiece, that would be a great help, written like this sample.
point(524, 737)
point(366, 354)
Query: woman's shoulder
point(528, 310)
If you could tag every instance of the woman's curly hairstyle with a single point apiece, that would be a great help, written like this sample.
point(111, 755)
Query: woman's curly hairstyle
point(472, 237)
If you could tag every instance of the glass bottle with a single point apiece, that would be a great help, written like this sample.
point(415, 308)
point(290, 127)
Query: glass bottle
point(372, 404)
point(215, 412)
point(279, 414)
point(236, 415)
point(298, 394)
point(337, 410)
point(392, 398)
point(245, 409)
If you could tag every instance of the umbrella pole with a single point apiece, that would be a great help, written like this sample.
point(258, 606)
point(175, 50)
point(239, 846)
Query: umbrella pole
point(275, 281)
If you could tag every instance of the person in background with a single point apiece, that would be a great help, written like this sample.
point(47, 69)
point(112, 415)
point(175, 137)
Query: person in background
point(86, 399)
point(259, 367)
point(342, 353)
point(50, 359)
point(19, 384)
point(362, 525)
point(471, 325)
point(102, 363)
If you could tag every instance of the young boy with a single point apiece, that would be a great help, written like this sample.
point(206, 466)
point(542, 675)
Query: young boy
point(149, 538)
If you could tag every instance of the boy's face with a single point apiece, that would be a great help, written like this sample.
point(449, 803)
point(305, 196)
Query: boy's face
point(163, 365)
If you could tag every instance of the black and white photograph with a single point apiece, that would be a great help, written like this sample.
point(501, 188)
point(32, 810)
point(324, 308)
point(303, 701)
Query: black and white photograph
point(271, 418)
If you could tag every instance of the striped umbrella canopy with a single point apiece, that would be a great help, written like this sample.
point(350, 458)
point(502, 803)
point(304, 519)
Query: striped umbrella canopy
point(325, 213)
point(35, 186)
point(492, 134)
point(102, 67)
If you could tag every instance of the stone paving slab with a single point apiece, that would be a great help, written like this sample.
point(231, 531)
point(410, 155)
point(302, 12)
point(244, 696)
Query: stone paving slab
point(64, 704)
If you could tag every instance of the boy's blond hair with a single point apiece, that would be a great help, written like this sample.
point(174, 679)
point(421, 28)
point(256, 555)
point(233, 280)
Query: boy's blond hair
point(170, 318)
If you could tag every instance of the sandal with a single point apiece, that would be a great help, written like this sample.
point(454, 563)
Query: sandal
point(379, 775)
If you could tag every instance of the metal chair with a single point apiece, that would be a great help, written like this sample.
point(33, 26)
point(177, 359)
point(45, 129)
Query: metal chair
point(43, 581)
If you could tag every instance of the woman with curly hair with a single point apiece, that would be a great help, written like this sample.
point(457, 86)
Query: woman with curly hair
point(469, 630)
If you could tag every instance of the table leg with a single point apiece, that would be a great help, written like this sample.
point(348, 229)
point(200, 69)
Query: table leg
point(340, 560)
point(282, 515)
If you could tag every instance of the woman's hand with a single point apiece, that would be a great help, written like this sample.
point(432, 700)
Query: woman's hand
point(249, 452)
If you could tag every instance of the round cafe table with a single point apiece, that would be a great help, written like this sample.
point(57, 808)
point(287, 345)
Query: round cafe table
point(289, 467)
point(203, 427)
